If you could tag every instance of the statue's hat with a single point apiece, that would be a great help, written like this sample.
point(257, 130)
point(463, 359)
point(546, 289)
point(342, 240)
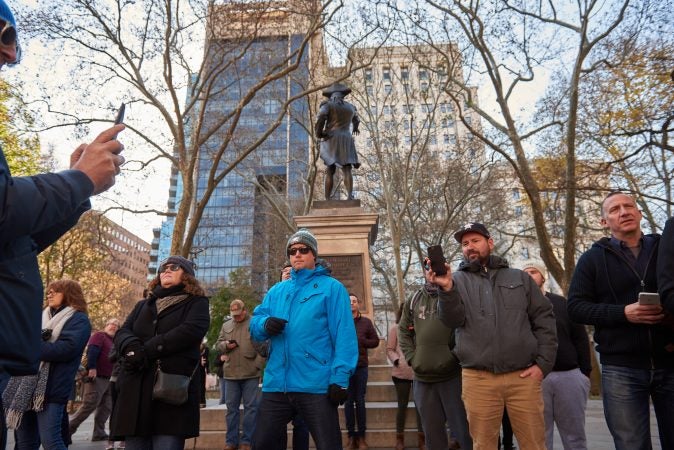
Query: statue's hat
point(337, 87)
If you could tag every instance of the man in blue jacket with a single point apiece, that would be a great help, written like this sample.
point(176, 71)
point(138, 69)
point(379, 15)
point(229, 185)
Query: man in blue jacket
point(636, 348)
point(666, 267)
point(34, 212)
point(313, 350)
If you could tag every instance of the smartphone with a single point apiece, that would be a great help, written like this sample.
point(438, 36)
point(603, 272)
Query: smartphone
point(437, 259)
point(649, 298)
point(120, 116)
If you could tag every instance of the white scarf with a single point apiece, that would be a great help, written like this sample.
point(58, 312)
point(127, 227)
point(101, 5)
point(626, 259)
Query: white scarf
point(28, 392)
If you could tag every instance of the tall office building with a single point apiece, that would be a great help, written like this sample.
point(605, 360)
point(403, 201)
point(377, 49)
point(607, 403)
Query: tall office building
point(244, 41)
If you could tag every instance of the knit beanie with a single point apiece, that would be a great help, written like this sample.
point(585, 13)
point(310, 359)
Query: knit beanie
point(304, 236)
point(6, 13)
point(185, 264)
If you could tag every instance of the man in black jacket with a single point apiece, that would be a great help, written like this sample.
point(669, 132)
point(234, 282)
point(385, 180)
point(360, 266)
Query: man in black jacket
point(34, 212)
point(566, 388)
point(636, 349)
point(666, 267)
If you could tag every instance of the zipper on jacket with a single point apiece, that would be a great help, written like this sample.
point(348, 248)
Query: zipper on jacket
point(642, 284)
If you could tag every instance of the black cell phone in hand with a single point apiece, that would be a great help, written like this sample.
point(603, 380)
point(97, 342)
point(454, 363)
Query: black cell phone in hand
point(120, 117)
point(120, 114)
point(437, 259)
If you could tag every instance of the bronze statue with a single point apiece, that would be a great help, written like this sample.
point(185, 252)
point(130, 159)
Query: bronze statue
point(333, 126)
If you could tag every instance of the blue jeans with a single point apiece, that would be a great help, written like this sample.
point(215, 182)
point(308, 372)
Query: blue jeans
point(278, 408)
point(42, 427)
point(223, 389)
point(157, 442)
point(235, 392)
point(356, 397)
point(626, 393)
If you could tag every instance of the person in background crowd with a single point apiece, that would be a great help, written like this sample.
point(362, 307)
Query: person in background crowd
point(427, 344)
point(634, 344)
point(567, 387)
point(202, 373)
point(220, 359)
point(34, 212)
point(402, 376)
point(312, 351)
point(116, 369)
point(163, 331)
point(35, 404)
point(507, 442)
point(242, 375)
point(666, 267)
point(97, 396)
point(354, 407)
point(506, 340)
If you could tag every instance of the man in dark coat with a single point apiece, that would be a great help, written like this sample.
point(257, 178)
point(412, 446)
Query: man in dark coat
point(634, 345)
point(666, 267)
point(567, 386)
point(333, 126)
point(34, 212)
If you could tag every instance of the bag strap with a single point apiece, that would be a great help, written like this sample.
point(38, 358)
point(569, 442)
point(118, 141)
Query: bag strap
point(193, 372)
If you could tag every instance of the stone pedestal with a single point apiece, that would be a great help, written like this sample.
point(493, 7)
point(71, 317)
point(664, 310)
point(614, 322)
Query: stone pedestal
point(345, 231)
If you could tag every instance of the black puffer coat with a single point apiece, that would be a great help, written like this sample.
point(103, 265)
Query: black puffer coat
point(173, 337)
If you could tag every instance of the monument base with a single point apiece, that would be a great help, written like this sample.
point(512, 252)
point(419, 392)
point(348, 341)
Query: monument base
point(344, 231)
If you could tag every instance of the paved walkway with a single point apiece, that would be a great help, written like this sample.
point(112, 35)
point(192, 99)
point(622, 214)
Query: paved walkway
point(598, 435)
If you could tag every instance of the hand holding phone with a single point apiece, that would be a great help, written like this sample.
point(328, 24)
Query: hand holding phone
point(649, 298)
point(120, 116)
point(437, 259)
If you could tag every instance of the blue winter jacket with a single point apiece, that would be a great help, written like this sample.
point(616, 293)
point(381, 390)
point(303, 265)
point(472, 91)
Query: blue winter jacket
point(318, 346)
point(34, 212)
point(64, 356)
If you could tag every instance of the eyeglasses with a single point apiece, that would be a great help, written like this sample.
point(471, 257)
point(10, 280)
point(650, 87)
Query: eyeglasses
point(170, 268)
point(8, 38)
point(302, 250)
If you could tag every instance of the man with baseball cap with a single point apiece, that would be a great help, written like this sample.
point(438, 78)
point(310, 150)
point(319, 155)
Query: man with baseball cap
point(34, 212)
point(241, 372)
point(313, 350)
point(505, 340)
point(567, 386)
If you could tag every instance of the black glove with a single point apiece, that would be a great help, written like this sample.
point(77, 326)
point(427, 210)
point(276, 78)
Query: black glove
point(337, 394)
point(135, 358)
point(275, 326)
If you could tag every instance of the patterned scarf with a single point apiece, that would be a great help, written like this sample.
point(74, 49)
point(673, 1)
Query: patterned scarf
point(27, 393)
point(170, 300)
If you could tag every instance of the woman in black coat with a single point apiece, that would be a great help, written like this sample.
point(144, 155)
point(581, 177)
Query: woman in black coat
point(167, 326)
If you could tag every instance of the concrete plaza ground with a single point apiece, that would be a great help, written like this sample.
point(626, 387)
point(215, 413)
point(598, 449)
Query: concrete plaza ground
point(598, 435)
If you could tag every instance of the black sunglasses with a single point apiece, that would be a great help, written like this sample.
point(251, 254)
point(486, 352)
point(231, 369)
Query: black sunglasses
point(302, 250)
point(169, 267)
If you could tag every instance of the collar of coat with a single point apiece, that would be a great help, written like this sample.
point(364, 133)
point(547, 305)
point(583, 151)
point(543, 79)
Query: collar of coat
point(494, 262)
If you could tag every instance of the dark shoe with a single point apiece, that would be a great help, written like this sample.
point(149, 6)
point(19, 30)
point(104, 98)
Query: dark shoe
point(400, 441)
point(244, 447)
point(422, 441)
point(100, 438)
point(231, 447)
point(362, 444)
point(352, 444)
point(454, 444)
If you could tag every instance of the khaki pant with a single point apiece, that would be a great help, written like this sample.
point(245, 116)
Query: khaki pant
point(485, 394)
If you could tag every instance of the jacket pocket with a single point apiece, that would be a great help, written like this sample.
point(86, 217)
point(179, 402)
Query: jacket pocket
point(513, 295)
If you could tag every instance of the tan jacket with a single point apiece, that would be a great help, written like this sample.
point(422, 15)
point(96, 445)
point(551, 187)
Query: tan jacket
point(244, 360)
